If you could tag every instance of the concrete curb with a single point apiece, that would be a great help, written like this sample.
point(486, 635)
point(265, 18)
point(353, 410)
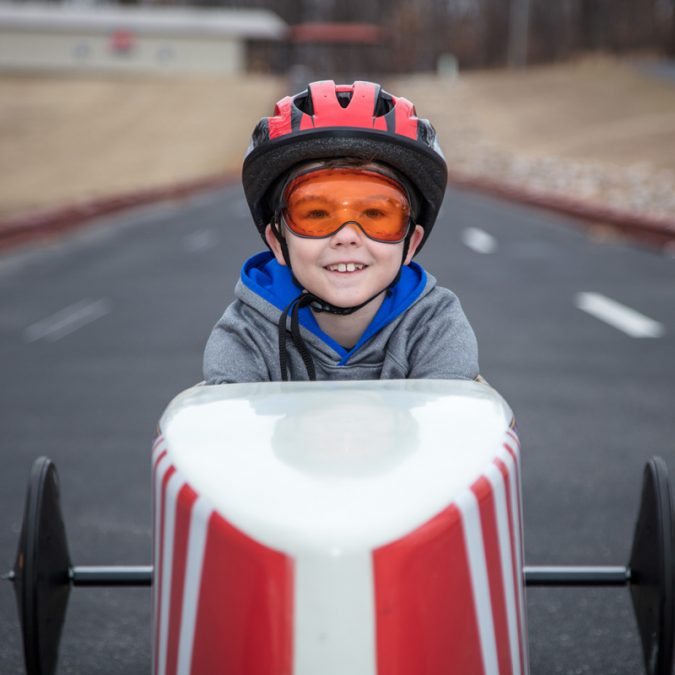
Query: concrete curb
point(48, 223)
point(658, 232)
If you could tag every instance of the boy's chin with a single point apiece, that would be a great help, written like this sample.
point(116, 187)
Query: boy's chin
point(345, 301)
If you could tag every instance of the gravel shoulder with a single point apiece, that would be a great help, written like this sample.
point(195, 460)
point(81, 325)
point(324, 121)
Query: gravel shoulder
point(596, 130)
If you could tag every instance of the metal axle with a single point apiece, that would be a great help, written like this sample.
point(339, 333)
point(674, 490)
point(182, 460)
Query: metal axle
point(542, 575)
point(577, 576)
point(130, 575)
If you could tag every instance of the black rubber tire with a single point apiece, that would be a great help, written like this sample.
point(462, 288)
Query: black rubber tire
point(41, 571)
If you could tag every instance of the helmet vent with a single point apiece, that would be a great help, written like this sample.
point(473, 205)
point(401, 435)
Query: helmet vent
point(384, 104)
point(344, 97)
point(303, 102)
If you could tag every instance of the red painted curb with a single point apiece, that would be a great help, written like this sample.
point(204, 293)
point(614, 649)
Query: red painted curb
point(645, 229)
point(48, 223)
point(52, 222)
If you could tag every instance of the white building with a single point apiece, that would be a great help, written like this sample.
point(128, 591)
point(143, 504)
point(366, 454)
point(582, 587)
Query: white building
point(147, 39)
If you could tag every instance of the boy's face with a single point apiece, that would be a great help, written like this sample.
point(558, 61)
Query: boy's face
point(367, 266)
point(347, 267)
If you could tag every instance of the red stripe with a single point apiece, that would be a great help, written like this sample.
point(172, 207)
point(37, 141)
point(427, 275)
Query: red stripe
point(514, 562)
point(514, 436)
point(280, 123)
point(488, 521)
point(324, 103)
point(380, 123)
point(158, 563)
point(244, 620)
point(406, 122)
point(361, 108)
point(425, 614)
point(184, 503)
point(160, 457)
point(306, 122)
point(329, 113)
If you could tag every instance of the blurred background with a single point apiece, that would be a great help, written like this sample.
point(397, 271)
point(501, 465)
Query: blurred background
point(571, 96)
point(123, 228)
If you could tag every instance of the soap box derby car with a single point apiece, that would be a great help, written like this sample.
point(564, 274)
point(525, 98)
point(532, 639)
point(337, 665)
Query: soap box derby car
point(337, 527)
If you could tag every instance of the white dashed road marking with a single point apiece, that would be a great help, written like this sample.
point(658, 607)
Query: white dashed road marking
point(67, 320)
point(479, 240)
point(619, 316)
point(199, 241)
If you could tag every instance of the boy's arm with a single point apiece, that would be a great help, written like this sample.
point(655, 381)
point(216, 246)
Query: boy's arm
point(443, 344)
point(233, 355)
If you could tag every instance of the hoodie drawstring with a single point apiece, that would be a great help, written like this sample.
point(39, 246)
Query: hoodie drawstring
point(294, 308)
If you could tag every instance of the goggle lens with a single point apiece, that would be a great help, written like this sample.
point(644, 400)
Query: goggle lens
point(319, 203)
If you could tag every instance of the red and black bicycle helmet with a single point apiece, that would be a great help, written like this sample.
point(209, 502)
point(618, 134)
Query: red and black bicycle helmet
point(329, 121)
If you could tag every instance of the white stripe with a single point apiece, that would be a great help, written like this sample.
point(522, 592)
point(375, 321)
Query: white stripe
point(473, 538)
point(494, 475)
point(479, 240)
point(619, 316)
point(175, 483)
point(199, 521)
point(162, 468)
point(199, 241)
point(67, 320)
point(513, 436)
point(334, 631)
point(521, 555)
point(513, 469)
point(160, 446)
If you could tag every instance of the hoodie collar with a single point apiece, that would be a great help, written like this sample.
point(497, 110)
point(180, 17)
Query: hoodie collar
point(263, 275)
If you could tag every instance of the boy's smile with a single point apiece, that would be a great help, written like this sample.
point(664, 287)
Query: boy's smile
point(347, 268)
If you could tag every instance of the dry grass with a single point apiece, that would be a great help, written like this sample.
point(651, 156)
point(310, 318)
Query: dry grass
point(77, 138)
point(597, 129)
point(597, 110)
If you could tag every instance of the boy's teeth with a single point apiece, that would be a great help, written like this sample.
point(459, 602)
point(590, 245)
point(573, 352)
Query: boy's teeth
point(345, 267)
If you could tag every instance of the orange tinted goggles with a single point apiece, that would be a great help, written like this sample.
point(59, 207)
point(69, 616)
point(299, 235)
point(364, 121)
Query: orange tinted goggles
point(319, 203)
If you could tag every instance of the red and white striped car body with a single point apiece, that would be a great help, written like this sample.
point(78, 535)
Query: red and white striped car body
point(362, 528)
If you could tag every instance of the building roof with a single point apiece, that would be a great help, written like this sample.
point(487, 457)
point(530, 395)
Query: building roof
point(336, 32)
point(244, 23)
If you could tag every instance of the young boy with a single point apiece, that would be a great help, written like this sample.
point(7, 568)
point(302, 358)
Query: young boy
point(344, 184)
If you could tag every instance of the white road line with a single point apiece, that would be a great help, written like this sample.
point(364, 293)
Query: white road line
point(619, 316)
point(199, 241)
point(67, 320)
point(479, 240)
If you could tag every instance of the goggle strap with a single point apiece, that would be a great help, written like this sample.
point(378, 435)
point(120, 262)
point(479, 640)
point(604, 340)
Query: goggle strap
point(276, 230)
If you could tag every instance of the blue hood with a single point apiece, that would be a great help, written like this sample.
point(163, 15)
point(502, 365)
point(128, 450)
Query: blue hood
point(263, 275)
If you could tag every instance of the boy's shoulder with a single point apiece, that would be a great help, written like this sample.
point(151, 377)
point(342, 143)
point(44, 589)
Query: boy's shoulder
point(434, 300)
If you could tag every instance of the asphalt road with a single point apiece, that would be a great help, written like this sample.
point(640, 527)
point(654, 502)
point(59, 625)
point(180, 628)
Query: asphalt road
point(99, 331)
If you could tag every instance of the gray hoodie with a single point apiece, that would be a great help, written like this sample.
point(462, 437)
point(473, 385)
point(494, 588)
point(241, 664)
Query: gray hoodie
point(419, 332)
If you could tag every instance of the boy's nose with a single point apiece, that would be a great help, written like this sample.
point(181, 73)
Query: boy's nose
point(350, 233)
